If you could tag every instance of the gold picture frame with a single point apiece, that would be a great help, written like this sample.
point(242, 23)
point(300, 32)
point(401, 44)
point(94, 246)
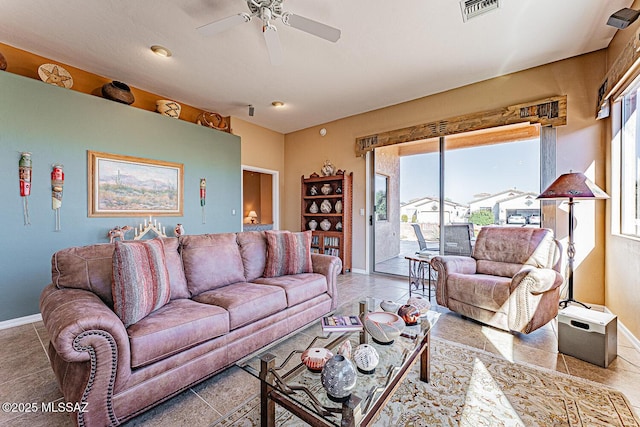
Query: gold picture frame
point(121, 186)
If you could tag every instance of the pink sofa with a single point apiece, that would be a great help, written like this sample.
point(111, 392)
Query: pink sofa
point(221, 309)
point(511, 281)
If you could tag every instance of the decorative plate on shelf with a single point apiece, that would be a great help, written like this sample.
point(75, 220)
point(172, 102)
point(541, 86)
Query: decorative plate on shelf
point(55, 75)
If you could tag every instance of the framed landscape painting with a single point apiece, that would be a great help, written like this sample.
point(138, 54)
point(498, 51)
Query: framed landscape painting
point(133, 186)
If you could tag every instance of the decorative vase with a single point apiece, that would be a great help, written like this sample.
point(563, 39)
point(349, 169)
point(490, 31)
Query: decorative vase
point(326, 189)
point(168, 108)
point(313, 224)
point(338, 378)
point(390, 306)
point(345, 349)
point(3, 62)
point(179, 230)
point(313, 191)
point(325, 224)
point(383, 327)
point(313, 208)
point(118, 91)
point(338, 206)
point(327, 168)
point(339, 190)
point(420, 303)
point(315, 358)
point(338, 226)
point(410, 314)
point(325, 206)
point(366, 358)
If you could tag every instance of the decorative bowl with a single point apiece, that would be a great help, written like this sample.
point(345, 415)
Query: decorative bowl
point(390, 306)
point(420, 303)
point(409, 314)
point(384, 327)
point(168, 108)
point(315, 358)
point(366, 358)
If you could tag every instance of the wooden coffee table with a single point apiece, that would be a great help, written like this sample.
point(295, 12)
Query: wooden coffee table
point(285, 381)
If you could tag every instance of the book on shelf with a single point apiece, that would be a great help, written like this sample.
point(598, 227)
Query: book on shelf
point(341, 323)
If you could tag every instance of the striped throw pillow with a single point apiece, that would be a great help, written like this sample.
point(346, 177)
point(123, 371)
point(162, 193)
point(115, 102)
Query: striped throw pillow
point(288, 253)
point(140, 279)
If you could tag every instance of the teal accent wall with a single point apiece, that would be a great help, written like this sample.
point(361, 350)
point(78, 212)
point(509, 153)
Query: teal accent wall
point(58, 125)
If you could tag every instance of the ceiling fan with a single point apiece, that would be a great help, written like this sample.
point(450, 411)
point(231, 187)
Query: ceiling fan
point(267, 11)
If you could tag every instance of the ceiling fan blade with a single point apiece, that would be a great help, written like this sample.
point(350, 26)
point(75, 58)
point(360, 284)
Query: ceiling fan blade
point(273, 44)
point(312, 27)
point(224, 24)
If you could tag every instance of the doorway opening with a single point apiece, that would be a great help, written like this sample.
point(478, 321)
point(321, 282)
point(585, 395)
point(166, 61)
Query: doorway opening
point(260, 199)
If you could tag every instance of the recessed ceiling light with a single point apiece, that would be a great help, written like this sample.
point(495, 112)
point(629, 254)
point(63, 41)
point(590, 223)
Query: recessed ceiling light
point(277, 104)
point(161, 51)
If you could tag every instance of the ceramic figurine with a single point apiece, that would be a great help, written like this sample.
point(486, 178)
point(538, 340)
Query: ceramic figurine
point(313, 208)
point(179, 230)
point(410, 314)
point(315, 358)
point(338, 226)
point(338, 378)
point(325, 224)
point(313, 191)
point(116, 232)
point(326, 189)
point(325, 206)
point(366, 358)
point(313, 224)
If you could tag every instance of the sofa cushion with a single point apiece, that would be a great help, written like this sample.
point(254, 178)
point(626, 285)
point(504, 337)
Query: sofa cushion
point(85, 267)
point(178, 325)
point(298, 287)
point(253, 250)
point(175, 269)
point(246, 302)
point(211, 261)
point(480, 290)
point(140, 279)
point(288, 253)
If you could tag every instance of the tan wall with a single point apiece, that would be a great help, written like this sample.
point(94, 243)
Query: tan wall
point(579, 148)
point(262, 148)
point(621, 264)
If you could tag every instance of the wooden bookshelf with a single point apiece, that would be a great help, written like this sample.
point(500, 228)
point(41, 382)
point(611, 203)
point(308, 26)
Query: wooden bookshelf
point(337, 239)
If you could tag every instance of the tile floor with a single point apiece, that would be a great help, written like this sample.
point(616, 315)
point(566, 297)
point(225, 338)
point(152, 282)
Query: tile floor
point(25, 375)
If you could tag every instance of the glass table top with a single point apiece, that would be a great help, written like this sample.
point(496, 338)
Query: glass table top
point(304, 386)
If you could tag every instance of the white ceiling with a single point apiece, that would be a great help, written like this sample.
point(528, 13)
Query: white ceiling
point(389, 52)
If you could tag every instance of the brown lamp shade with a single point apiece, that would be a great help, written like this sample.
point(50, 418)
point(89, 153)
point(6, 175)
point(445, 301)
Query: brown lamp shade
point(573, 185)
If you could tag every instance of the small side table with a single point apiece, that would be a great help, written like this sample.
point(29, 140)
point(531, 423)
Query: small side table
point(420, 272)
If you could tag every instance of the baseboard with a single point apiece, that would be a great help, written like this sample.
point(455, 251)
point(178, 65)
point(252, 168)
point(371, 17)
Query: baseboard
point(11, 323)
point(635, 342)
point(359, 271)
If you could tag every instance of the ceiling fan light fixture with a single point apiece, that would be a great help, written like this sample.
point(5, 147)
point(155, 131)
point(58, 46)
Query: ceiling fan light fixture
point(161, 51)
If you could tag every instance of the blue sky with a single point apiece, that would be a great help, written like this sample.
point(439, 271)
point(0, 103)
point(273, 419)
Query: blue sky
point(469, 171)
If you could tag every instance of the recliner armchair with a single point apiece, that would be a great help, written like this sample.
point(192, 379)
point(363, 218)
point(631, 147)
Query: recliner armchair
point(512, 280)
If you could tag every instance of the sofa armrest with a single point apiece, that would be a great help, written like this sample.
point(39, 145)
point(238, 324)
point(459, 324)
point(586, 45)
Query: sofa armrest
point(534, 297)
point(538, 280)
point(329, 266)
point(444, 265)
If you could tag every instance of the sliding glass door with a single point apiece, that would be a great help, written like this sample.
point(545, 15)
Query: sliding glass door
point(486, 181)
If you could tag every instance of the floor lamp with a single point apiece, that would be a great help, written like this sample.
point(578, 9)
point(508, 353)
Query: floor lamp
point(572, 185)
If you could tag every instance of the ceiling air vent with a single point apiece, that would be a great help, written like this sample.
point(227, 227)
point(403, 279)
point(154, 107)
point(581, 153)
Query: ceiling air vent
point(474, 8)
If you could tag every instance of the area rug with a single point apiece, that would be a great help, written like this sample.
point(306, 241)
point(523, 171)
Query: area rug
point(473, 388)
